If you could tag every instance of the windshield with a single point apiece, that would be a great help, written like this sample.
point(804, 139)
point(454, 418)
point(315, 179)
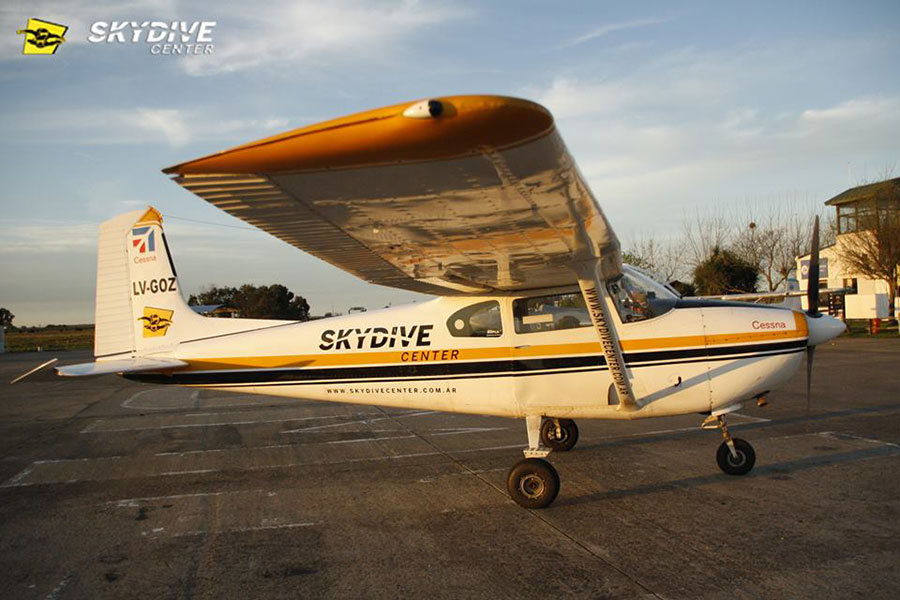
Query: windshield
point(638, 297)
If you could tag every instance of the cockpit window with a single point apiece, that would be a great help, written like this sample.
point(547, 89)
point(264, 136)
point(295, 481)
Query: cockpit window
point(477, 320)
point(549, 313)
point(638, 297)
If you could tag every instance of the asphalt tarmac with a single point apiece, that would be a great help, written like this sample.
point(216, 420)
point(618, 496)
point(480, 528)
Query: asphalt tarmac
point(110, 488)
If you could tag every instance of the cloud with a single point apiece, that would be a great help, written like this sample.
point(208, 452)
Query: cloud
point(46, 237)
point(175, 127)
point(288, 32)
point(604, 30)
point(688, 129)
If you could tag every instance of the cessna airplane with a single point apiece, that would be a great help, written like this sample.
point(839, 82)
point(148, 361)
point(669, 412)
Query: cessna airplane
point(473, 199)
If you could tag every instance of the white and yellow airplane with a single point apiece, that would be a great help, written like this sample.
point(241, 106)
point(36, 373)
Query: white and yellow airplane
point(476, 200)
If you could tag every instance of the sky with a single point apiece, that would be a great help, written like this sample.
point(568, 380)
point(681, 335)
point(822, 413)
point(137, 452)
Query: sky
point(669, 109)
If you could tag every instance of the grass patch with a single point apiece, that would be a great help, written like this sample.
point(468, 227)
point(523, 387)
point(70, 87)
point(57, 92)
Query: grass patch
point(65, 337)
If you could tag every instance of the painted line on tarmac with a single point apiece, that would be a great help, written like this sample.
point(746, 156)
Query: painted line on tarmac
point(286, 465)
point(93, 427)
point(54, 593)
point(420, 413)
point(844, 436)
point(246, 529)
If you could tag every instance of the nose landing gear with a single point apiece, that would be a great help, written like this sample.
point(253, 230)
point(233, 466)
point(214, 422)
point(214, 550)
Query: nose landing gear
point(734, 456)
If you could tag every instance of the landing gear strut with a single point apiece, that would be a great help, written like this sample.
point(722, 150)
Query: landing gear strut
point(533, 482)
point(735, 456)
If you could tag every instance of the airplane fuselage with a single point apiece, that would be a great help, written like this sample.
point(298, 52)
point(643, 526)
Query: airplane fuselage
point(481, 355)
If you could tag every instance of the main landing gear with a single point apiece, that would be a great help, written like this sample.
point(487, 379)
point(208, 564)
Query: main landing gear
point(735, 456)
point(559, 434)
point(533, 482)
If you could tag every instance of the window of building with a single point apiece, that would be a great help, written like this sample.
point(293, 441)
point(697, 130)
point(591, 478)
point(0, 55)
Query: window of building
point(477, 320)
point(847, 219)
point(549, 313)
point(851, 285)
point(638, 297)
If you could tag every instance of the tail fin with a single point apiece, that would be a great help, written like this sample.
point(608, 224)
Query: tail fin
point(139, 308)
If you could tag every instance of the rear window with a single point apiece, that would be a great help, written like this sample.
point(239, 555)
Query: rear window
point(550, 313)
point(477, 320)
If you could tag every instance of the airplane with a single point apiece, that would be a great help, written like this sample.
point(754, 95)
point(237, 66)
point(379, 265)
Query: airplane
point(476, 201)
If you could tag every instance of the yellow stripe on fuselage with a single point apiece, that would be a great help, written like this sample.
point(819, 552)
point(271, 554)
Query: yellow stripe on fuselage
point(415, 356)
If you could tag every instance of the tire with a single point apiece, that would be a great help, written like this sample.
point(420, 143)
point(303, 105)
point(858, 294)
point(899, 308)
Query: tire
point(533, 483)
point(569, 435)
point(741, 465)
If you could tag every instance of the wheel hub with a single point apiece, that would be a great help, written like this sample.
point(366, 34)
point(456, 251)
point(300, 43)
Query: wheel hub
point(531, 486)
point(737, 461)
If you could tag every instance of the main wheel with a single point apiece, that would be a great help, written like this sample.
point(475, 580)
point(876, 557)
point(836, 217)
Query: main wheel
point(563, 442)
point(533, 483)
point(736, 465)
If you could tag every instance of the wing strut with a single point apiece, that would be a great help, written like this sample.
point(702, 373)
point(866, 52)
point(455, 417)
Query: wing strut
point(596, 297)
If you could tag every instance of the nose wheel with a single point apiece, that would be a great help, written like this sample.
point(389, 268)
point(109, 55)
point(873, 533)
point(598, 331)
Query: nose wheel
point(738, 463)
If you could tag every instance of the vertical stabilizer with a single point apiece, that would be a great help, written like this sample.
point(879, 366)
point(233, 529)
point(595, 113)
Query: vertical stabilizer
point(113, 331)
point(139, 308)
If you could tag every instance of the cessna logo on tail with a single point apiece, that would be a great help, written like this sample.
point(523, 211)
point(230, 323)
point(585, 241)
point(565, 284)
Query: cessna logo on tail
point(42, 37)
point(156, 321)
point(144, 239)
point(376, 337)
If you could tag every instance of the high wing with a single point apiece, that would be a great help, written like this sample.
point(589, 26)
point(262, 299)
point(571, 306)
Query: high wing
point(459, 194)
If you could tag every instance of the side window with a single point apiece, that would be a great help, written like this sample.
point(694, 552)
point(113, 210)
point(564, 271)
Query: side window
point(477, 320)
point(549, 313)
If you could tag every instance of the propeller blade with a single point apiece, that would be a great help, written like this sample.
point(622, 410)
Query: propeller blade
point(810, 352)
point(812, 276)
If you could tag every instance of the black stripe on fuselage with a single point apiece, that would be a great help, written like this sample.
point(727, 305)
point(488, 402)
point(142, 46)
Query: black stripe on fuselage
point(457, 370)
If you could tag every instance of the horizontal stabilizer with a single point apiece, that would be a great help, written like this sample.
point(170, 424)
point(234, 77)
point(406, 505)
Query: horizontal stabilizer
point(127, 365)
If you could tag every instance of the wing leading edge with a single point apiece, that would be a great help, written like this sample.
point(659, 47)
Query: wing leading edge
point(462, 194)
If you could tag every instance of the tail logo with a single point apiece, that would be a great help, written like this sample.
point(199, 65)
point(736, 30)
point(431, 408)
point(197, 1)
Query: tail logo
point(156, 321)
point(144, 239)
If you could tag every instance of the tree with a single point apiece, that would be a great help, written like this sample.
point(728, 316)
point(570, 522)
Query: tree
point(874, 249)
point(724, 272)
point(263, 302)
point(6, 318)
point(665, 259)
point(773, 243)
point(704, 234)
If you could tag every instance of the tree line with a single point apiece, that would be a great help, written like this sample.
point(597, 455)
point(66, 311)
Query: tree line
point(256, 302)
point(722, 253)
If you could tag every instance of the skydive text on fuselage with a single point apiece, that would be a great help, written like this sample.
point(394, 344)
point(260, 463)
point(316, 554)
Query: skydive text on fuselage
point(376, 337)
